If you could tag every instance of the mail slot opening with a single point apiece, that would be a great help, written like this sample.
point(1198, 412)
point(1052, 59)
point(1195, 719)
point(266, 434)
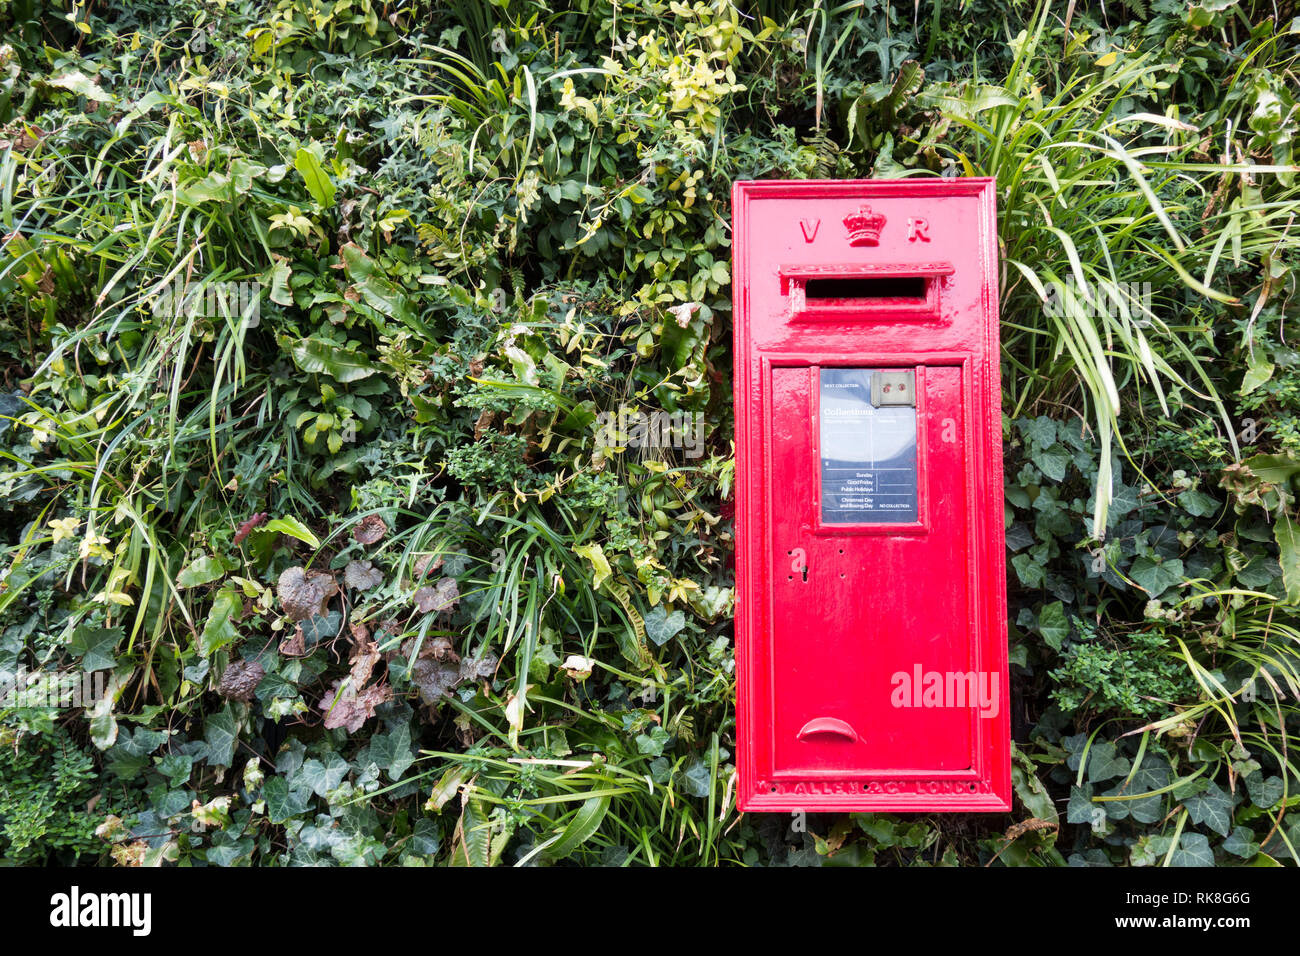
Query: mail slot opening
point(866, 287)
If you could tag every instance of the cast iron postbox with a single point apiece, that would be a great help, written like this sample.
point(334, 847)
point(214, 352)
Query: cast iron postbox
point(871, 638)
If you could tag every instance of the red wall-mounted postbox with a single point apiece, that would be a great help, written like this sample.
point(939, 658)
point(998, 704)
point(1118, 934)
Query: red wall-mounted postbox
point(871, 634)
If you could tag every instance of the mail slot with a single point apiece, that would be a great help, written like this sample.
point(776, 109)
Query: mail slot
point(871, 632)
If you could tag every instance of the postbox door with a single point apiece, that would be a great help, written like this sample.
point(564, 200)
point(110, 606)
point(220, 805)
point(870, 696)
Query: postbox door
point(869, 573)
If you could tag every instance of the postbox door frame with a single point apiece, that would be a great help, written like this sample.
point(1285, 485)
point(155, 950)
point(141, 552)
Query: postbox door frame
point(981, 428)
point(764, 678)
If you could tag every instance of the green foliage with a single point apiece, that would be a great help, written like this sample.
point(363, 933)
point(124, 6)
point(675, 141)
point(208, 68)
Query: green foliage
point(1137, 679)
point(44, 790)
point(366, 582)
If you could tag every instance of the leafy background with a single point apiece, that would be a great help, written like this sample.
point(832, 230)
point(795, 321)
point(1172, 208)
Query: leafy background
point(366, 588)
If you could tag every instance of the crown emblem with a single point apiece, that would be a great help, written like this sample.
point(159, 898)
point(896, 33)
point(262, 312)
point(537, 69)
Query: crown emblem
point(864, 226)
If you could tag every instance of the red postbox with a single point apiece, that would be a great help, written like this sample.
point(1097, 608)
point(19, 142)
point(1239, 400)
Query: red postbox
point(871, 634)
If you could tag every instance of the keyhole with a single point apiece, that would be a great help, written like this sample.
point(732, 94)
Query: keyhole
point(805, 574)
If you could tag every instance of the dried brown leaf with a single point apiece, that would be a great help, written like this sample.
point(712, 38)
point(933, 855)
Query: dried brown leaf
point(440, 649)
point(443, 596)
point(295, 646)
point(240, 680)
point(305, 594)
point(426, 564)
point(345, 707)
point(362, 575)
point(351, 702)
point(434, 677)
point(370, 530)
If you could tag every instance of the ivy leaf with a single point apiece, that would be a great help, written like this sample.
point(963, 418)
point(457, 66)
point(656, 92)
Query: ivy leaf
point(1212, 807)
point(1104, 764)
point(1152, 775)
point(220, 734)
point(392, 751)
point(1193, 850)
point(1241, 842)
point(653, 743)
point(1156, 577)
point(1080, 807)
point(1053, 625)
point(1198, 504)
point(95, 647)
point(1265, 792)
point(323, 775)
point(1029, 569)
point(220, 628)
point(226, 849)
point(1052, 462)
point(661, 627)
point(176, 767)
point(697, 781)
point(1041, 430)
point(282, 804)
point(1019, 537)
point(1149, 850)
point(321, 627)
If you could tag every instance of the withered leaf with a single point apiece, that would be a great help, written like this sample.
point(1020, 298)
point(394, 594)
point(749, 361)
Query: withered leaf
point(364, 659)
point(434, 677)
point(440, 649)
point(479, 667)
point(362, 575)
point(426, 564)
point(305, 594)
point(296, 645)
point(370, 530)
point(352, 709)
point(443, 596)
point(240, 680)
point(351, 703)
